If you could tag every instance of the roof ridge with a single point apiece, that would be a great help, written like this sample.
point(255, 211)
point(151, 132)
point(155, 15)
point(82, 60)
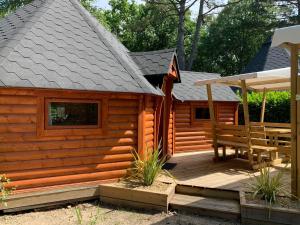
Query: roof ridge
point(198, 72)
point(98, 28)
point(154, 51)
point(23, 27)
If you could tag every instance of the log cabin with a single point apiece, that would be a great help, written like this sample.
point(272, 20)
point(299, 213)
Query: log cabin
point(75, 102)
point(191, 111)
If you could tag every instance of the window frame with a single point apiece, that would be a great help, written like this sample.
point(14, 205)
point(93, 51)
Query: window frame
point(43, 129)
point(196, 122)
point(57, 127)
point(199, 107)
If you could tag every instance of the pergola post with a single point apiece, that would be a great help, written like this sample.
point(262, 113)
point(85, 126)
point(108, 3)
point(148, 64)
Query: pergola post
point(295, 113)
point(246, 116)
point(212, 119)
point(263, 106)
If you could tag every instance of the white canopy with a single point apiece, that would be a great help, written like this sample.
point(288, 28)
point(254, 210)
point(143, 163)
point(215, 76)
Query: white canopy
point(277, 79)
point(285, 36)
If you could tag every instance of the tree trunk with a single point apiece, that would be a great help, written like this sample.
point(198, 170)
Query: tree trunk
point(194, 49)
point(180, 38)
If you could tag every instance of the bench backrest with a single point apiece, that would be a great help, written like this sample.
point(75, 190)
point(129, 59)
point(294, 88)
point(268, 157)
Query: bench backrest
point(231, 133)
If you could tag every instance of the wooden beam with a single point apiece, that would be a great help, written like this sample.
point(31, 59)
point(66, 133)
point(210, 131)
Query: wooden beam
point(212, 119)
point(246, 117)
point(263, 106)
point(295, 111)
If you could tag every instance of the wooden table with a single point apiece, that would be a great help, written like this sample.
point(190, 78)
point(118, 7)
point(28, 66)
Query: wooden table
point(274, 134)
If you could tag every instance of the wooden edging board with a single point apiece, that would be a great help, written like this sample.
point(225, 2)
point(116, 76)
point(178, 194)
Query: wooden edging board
point(137, 198)
point(33, 200)
point(207, 192)
point(262, 214)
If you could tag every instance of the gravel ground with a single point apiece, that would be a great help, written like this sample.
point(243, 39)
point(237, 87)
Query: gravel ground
point(106, 215)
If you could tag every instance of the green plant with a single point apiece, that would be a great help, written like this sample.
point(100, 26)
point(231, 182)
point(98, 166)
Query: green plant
point(5, 192)
point(93, 219)
point(277, 107)
point(148, 170)
point(268, 187)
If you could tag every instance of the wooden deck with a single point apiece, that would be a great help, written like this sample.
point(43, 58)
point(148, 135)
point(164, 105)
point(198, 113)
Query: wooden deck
point(198, 168)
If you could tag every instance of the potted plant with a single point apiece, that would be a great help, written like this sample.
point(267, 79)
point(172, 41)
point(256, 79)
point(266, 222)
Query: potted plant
point(141, 188)
point(268, 202)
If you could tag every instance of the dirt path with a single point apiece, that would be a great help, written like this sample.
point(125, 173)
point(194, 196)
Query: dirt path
point(106, 216)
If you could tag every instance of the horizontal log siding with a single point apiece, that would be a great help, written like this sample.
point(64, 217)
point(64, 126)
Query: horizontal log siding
point(31, 161)
point(191, 136)
point(170, 133)
point(149, 123)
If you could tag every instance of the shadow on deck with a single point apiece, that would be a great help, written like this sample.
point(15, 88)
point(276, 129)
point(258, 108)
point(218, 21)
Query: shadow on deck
point(198, 169)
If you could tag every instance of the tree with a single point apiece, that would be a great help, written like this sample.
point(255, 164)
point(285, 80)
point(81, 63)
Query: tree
point(144, 27)
point(206, 9)
point(234, 37)
point(181, 7)
point(7, 6)
point(289, 11)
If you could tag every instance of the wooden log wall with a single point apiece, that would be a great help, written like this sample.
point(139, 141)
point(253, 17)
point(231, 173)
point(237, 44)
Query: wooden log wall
point(171, 131)
point(193, 135)
point(33, 161)
point(150, 127)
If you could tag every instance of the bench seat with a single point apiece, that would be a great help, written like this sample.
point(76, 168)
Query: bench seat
point(264, 148)
point(232, 144)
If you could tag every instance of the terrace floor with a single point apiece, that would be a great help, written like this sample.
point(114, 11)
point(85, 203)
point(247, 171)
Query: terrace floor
point(198, 168)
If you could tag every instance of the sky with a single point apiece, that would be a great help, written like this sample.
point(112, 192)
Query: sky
point(103, 4)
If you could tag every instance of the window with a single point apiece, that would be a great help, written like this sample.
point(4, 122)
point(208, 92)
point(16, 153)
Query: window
point(202, 113)
point(72, 114)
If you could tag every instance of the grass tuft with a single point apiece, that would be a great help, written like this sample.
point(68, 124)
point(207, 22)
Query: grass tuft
point(146, 171)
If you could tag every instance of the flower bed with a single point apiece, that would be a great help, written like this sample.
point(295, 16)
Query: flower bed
point(255, 211)
point(134, 194)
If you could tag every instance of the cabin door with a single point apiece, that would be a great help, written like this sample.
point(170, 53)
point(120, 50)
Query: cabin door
point(166, 125)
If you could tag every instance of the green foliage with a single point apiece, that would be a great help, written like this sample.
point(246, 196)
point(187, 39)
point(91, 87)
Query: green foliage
point(3, 190)
point(146, 171)
point(268, 187)
point(145, 27)
point(277, 107)
point(92, 220)
point(7, 6)
point(235, 35)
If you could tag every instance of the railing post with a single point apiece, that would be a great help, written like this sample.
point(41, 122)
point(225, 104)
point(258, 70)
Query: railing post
point(246, 119)
point(295, 113)
point(212, 119)
point(263, 106)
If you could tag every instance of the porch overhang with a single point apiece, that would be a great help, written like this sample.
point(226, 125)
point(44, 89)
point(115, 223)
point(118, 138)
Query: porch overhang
point(270, 80)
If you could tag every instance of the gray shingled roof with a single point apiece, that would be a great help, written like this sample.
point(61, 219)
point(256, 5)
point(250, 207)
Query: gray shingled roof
point(268, 58)
point(187, 91)
point(154, 62)
point(58, 44)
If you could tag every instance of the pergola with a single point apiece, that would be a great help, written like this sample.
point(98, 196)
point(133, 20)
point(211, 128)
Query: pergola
point(273, 80)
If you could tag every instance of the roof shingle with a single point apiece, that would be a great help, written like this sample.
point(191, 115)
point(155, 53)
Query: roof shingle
point(268, 58)
point(187, 91)
point(154, 62)
point(58, 44)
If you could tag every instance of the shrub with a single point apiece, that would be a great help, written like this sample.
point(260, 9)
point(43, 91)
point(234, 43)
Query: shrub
point(146, 171)
point(277, 107)
point(4, 191)
point(268, 187)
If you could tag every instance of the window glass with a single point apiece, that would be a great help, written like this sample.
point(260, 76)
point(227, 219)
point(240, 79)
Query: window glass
point(202, 113)
point(72, 114)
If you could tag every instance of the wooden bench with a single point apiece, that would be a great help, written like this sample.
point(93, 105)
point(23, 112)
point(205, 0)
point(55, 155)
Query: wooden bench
point(233, 136)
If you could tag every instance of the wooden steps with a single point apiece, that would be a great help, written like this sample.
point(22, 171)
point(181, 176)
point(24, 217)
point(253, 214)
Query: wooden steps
point(206, 202)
